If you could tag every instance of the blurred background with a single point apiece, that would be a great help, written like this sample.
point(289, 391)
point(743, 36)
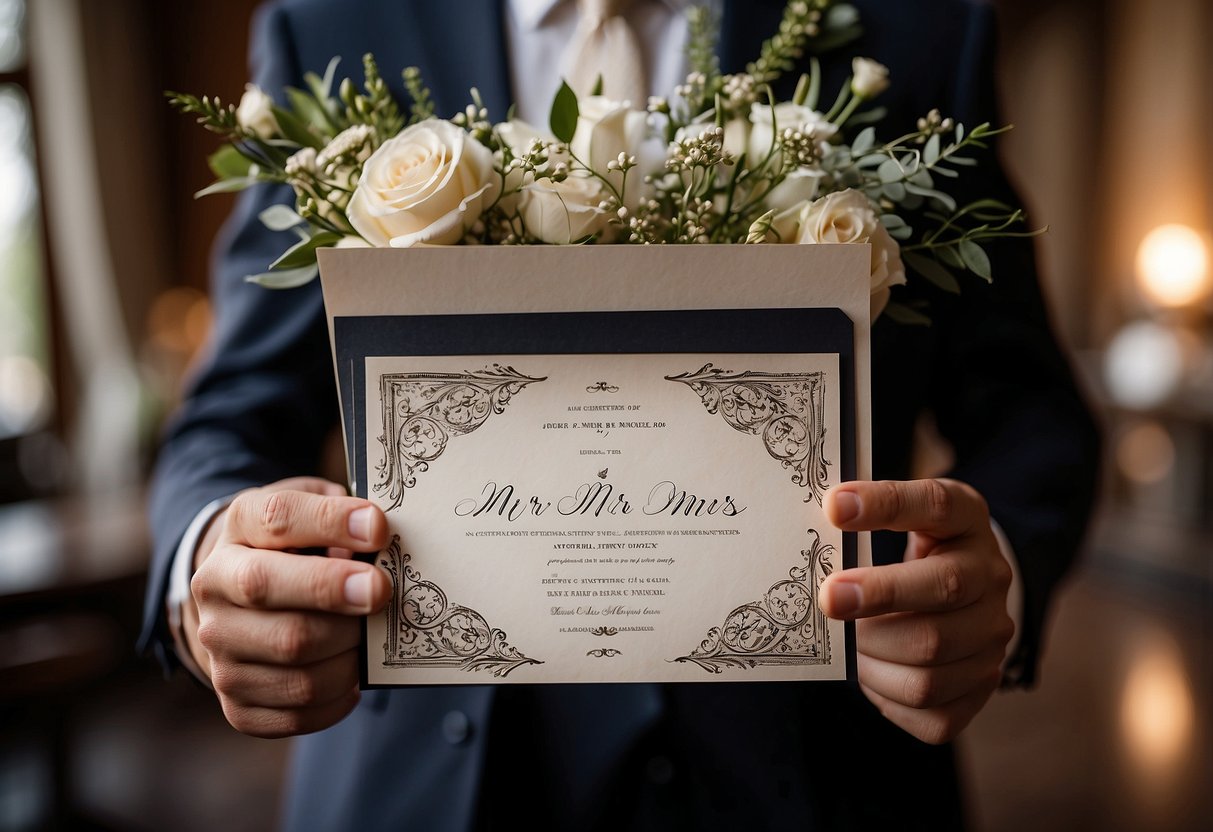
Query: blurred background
point(103, 267)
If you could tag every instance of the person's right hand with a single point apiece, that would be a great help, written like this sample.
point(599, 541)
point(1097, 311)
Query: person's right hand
point(276, 632)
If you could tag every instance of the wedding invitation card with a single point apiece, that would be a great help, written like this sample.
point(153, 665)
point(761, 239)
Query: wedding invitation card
point(589, 480)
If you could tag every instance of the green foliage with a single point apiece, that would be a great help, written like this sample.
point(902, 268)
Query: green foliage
point(563, 118)
point(422, 106)
point(380, 109)
point(212, 114)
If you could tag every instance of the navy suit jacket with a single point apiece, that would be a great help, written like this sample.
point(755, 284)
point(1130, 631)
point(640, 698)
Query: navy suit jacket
point(640, 756)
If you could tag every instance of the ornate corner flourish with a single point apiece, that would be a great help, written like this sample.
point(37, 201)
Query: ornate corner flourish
point(786, 409)
point(422, 411)
point(785, 627)
point(425, 630)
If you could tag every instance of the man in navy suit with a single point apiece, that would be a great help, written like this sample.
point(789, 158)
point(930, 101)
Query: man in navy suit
point(276, 635)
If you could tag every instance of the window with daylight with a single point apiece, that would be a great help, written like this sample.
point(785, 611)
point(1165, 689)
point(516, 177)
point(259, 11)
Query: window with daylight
point(26, 399)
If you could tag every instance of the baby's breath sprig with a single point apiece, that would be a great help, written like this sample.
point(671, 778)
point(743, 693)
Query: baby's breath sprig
point(779, 54)
point(475, 119)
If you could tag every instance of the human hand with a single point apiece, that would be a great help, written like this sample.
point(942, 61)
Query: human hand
point(930, 632)
point(277, 633)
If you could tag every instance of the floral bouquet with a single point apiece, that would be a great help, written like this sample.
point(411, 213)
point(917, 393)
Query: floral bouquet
point(718, 161)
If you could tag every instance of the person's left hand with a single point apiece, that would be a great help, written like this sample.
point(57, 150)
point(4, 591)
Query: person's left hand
point(930, 632)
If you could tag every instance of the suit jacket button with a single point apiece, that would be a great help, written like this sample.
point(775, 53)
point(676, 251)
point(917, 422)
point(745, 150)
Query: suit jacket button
point(456, 727)
point(659, 770)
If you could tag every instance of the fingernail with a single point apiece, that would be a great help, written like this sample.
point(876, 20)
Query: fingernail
point(358, 590)
point(846, 506)
point(845, 599)
point(360, 524)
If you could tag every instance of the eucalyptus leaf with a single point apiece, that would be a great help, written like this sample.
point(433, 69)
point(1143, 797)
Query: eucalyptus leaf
point(303, 253)
point(939, 196)
point(976, 259)
point(864, 141)
point(932, 270)
point(950, 256)
point(289, 279)
point(890, 171)
point(563, 119)
point(930, 153)
point(895, 191)
point(279, 218)
point(922, 178)
point(892, 221)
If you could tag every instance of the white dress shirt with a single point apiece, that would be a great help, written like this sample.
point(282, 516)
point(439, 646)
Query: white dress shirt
point(537, 33)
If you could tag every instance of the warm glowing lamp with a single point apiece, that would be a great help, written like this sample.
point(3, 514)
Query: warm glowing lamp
point(1173, 266)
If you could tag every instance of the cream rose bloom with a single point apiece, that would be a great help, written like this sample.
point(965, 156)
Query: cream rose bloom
point(429, 184)
point(850, 217)
point(255, 112)
point(560, 213)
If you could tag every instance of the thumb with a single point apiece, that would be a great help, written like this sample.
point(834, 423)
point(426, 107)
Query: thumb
point(310, 485)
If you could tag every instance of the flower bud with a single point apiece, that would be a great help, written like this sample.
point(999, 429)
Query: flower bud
point(870, 78)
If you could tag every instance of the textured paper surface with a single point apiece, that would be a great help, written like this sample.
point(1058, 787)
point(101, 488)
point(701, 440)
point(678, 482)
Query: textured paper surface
point(551, 543)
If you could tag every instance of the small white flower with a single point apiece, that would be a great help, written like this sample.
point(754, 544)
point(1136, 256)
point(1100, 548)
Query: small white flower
point(255, 112)
point(352, 144)
point(870, 78)
point(301, 162)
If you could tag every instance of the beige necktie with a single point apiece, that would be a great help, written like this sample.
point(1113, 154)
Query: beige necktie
point(605, 44)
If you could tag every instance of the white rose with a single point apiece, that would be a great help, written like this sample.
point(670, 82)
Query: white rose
point(560, 213)
point(255, 112)
point(799, 187)
point(850, 217)
point(786, 114)
point(518, 136)
point(606, 128)
point(427, 185)
point(869, 78)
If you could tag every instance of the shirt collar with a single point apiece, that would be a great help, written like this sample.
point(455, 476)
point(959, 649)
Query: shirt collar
point(532, 13)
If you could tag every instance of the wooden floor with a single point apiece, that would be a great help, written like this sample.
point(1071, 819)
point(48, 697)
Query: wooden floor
point(1119, 735)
